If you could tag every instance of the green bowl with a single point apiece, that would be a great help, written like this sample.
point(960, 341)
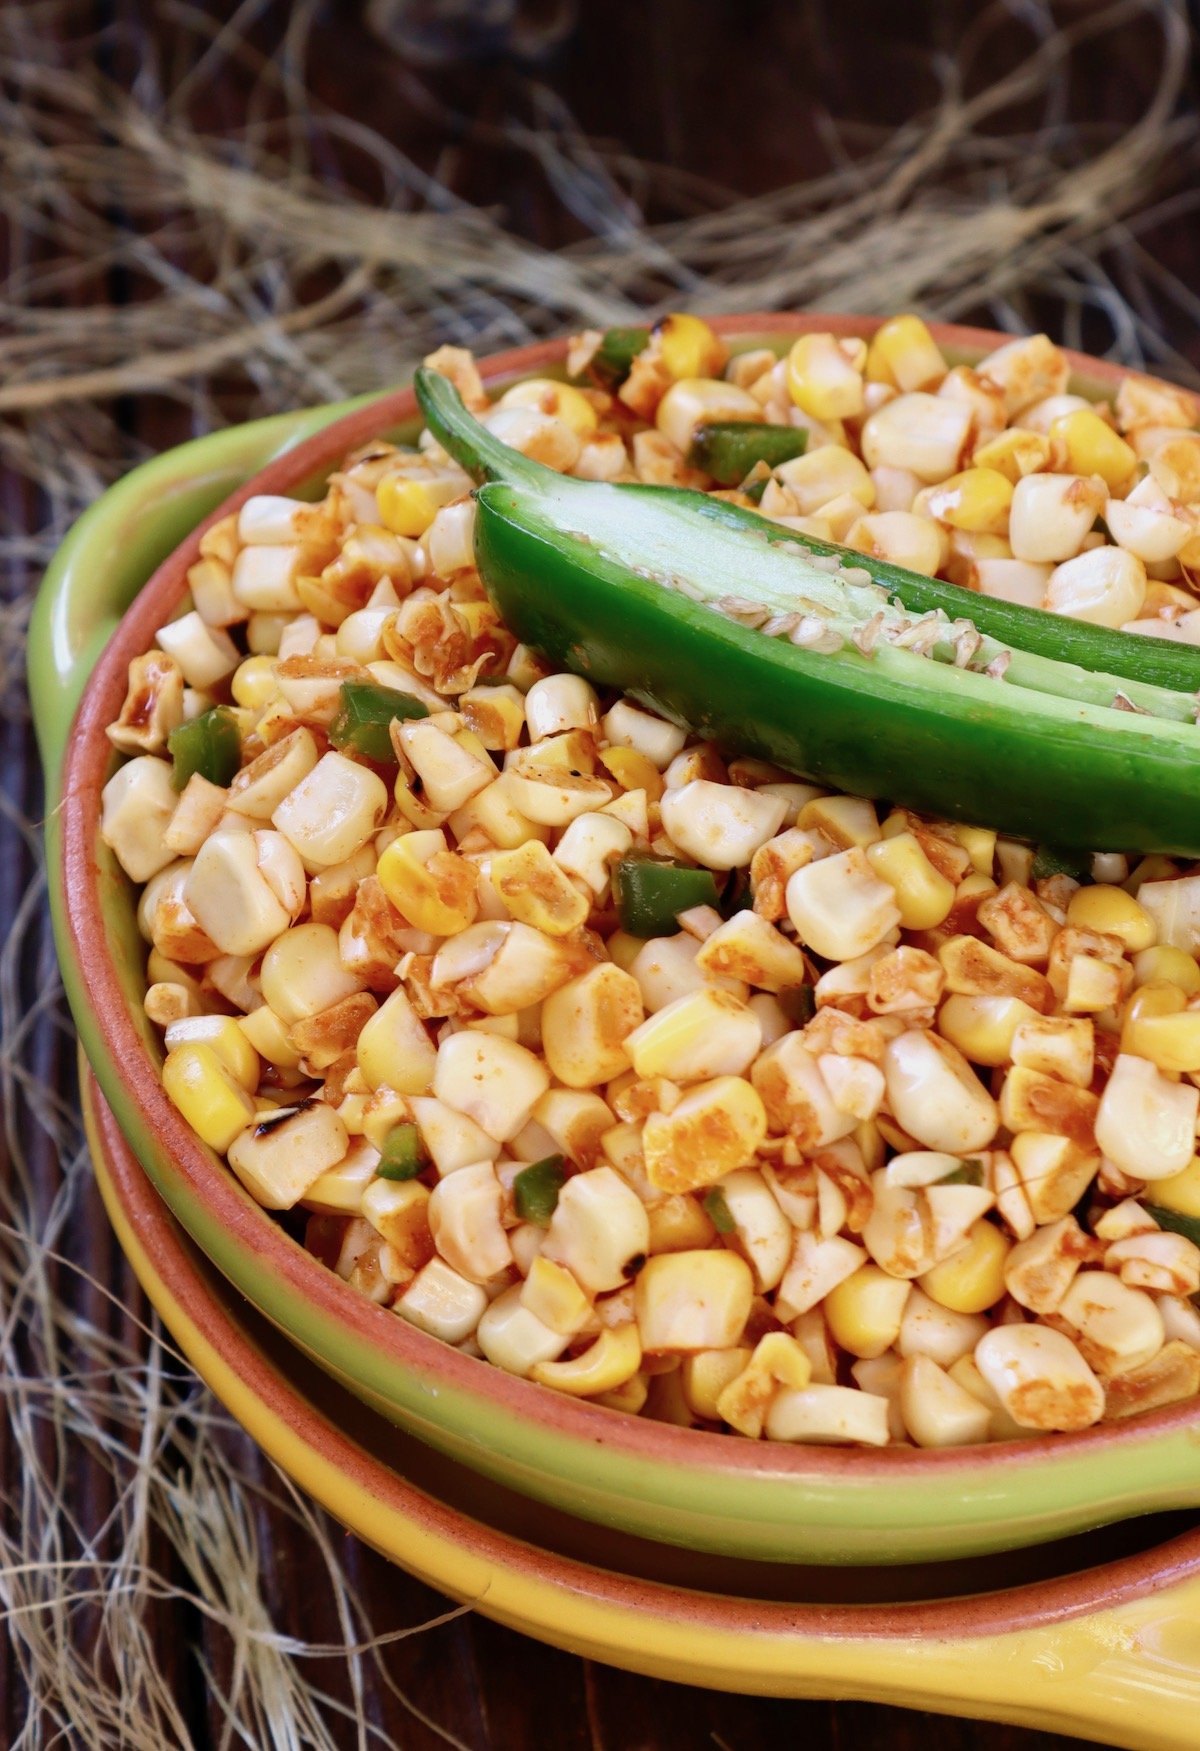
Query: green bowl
point(682, 1486)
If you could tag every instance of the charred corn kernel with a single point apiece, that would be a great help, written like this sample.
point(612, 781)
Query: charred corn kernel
point(536, 891)
point(1105, 586)
point(924, 433)
point(633, 771)
point(903, 352)
point(253, 683)
point(434, 888)
point(747, 948)
point(1146, 1124)
point(560, 399)
point(394, 1050)
point(1117, 1328)
point(1181, 1191)
point(715, 1129)
point(935, 1095)
point(923, 895)
point(900, 538)
point(972, 1279)
point(840, 906)
point(1166, 965)
point(1040, 1377)
point(599, 1230)
point(607, 1364)
point(464, 1220)
point(279, 1158)
point(585, 1024)
point(865, 1311)
point(1115, 913)
point(828, 1415)
point(1051, 514)
point(552, 1295)
point(823, 379)
point(226, 1039)
point(694, 401)
point(211, 1099)
point(688, 1301)
point(687, 347)
point(1083, 443)
point(494, 1081)
point(707, 1033)
point(706, 1374)
point(443, 1303)
point(977, 500)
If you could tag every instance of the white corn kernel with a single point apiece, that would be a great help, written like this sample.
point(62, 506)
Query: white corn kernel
point(277, 1160)
point(840, 907)
point(452, 1139)
point(585, 1024)
point(941, 1333)
point(1116, 1328)
point(1051, 514)
point(395, 1051)
point(561, 703)
point(796, 1097)
point(720, 825)
point(464, 1219)
point(1146, 1124)
point(828, 1415)
point(136, 808)
point(1040, 1378)
point(815, 1269)
point(749, 948)
point(230, 897)
point(264, 579)
point(937, 1411)
point(590, 846)
point(494, 1081)
point(627, 725)
point(925, 434)
point(1105, 586)
point(599, 1230)
point(667, 968)
point(763, 1232)
point(513, 1338)
point(302, 973)
point(205, 654)
point(259, 788)
point(443, 1303)
point(689, 1301)
point(936, 1096)
point(332, 811)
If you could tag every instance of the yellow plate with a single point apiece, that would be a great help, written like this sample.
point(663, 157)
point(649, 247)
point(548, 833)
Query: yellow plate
point(1111, 1653)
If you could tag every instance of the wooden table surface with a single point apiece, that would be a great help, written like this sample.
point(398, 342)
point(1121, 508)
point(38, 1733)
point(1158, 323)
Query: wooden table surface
point(729, 90)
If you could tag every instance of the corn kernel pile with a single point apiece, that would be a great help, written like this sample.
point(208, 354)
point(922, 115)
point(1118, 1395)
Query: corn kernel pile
point(866, 1151)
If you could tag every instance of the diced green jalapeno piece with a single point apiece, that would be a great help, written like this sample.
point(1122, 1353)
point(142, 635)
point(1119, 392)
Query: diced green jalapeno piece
point(1176, 1221)
point(366, 710)
point(536, 1189)
point(209, 744)
point(650, 895)
point(612, 360)
point(970, 1173)
point(403, 1155)
point(1047, 861)
point(729, 449)
point(716, 1208)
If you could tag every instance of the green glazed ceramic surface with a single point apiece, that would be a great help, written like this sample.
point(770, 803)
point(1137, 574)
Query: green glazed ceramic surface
point(686, 1487)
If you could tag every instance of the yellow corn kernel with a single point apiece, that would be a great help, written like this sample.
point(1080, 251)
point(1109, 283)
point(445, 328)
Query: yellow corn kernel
point(904, 353)
point(1157, 999)
point(778, 1360)
point(253, 682)
point(687, 347)
point(585, 1024)
point(979, 843)
point(972, 1279)
point(1181, 1191)
point(1170, 1040)
point(1166, 965)
point(633, 771)
point(605, 1365)
point(976, 500)
point(1014, 454)
point(227, 1039)
point(687, 1301)
point(630, 1398)
point(1115, 913)
point(705, 1376)
point(716, 1128)
point(552, 1295)
point(678, 1224)
point(822, 380)
point(864, 1311)
point(536, 891)
point(210, 1098)
point(1081, 443)
point(434, 888)
point(406, 507)
point(559, 399)
point(923, 895)
point(843, 820)
point(394, 1051)
point(982, 1027)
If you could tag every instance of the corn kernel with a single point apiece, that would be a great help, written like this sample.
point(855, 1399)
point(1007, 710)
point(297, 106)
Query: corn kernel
point(560, 399)
point(1182, 1191)
point(536, 891)
point(971, 1280)
point(1114, 913)
point(903, 352)
point(209, 1096)
point(434, 888)
point(1166, 965)
point(688, 1301)
point(605, 1366)
point(394, 1050)
point(1082, 443)
point(822, 380)
point(228, 1041)
point(406, 507)
point(688, 347)
point(924, 896)
point(864, 1312)
point(976, 500)
point(706, 1374)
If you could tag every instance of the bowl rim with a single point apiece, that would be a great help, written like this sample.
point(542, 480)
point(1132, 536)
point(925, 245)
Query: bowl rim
point(392, 1340)
point(169, 1253)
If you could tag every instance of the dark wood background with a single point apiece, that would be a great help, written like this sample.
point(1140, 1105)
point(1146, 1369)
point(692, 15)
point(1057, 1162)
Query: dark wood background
point(730, 91)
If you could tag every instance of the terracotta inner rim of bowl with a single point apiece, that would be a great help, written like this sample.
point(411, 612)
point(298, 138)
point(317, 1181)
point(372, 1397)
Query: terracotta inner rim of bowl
point(1022, 1607)
point(251, 1228)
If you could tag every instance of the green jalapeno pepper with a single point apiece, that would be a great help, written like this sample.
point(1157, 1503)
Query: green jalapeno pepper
point(650, 894)
point(363, 717)
point(209, 744)
point(729, 449)
point(536, 1189)
point(666, 594)
point(403, 1155)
